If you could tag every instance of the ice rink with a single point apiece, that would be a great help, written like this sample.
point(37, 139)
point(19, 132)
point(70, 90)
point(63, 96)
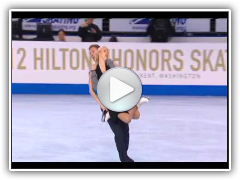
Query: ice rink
point(67, 128)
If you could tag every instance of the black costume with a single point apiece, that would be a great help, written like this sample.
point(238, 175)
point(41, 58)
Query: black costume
point(86, 34)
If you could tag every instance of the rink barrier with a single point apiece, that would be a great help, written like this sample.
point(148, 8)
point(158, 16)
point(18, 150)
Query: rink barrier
point(181, 90)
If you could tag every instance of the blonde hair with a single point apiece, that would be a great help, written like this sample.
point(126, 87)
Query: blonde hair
point(96, 61)
point(100, 50)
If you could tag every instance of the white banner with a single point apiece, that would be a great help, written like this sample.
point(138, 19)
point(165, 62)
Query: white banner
point(68, 24)
point(155, 63)
point(141, 24)
point(129, 25)
point(191, 25)
point(221, 25)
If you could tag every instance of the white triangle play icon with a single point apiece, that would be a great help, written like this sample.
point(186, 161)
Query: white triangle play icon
point(118, 89)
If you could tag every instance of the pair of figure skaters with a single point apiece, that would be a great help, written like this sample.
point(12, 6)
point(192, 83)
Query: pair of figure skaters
point(118, 121)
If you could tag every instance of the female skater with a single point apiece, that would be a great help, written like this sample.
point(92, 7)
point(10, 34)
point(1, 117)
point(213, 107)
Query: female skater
point(118, 120)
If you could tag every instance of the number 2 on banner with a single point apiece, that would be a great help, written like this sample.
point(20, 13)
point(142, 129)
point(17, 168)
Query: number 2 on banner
point(22, 52)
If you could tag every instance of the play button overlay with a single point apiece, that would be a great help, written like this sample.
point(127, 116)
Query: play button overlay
point(119, 89)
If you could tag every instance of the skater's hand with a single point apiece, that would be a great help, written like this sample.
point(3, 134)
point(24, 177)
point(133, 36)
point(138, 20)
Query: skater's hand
point(104, 108)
